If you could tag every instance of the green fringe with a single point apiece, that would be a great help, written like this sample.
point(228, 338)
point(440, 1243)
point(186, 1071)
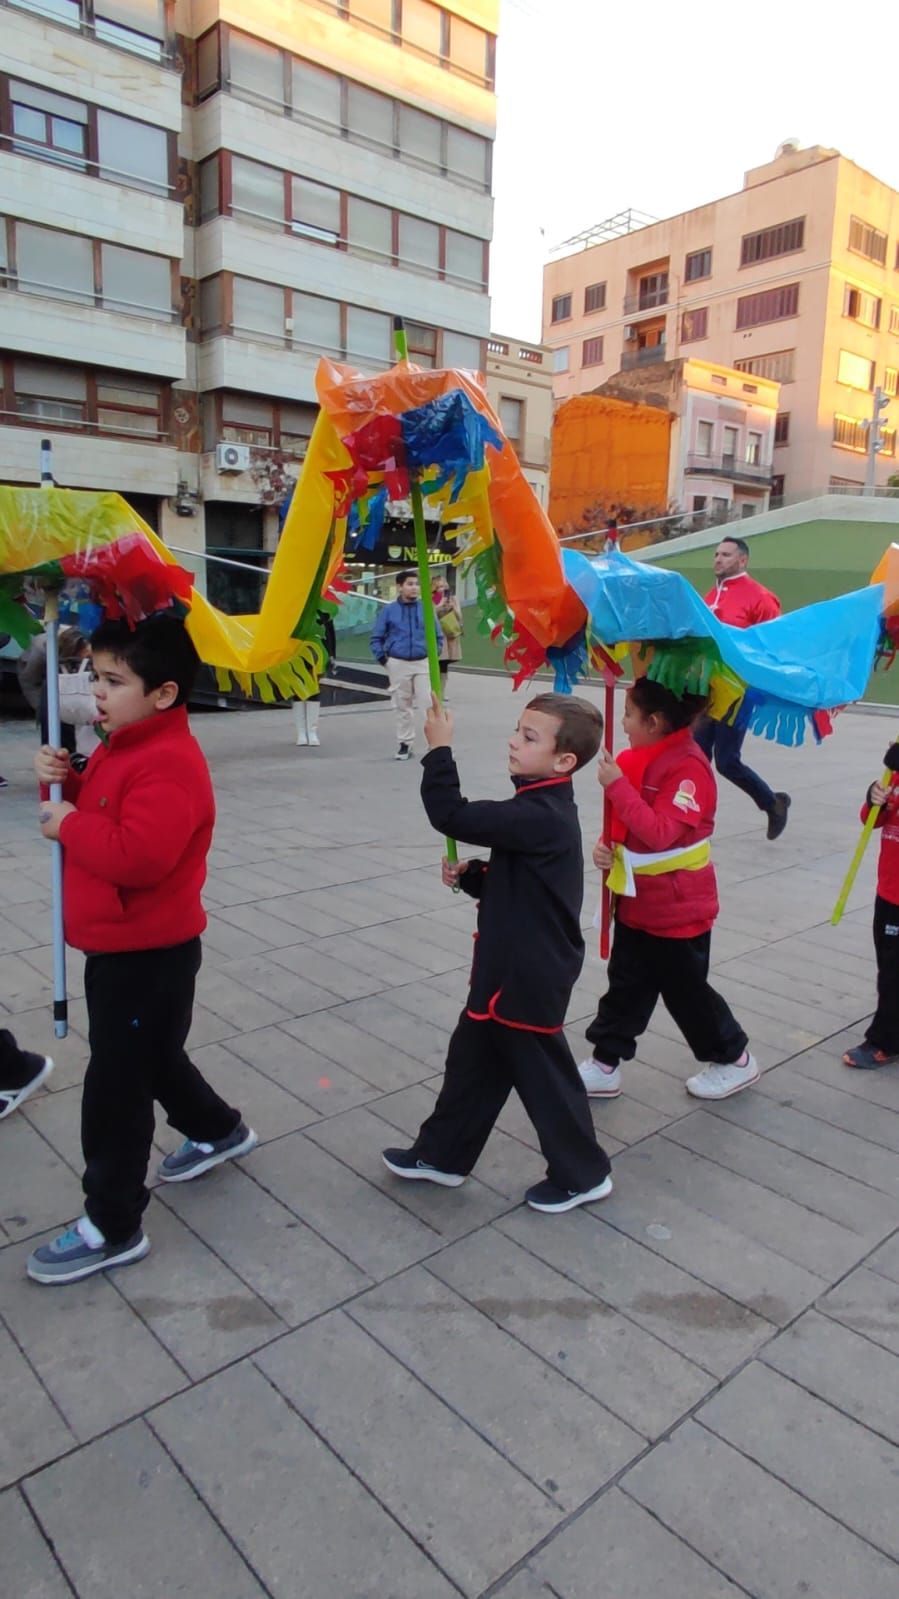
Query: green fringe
point(295, 679)
point(493, 611)
point(684, 666)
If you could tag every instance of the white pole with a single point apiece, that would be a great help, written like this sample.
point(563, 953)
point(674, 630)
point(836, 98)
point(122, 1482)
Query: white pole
point(51, 627)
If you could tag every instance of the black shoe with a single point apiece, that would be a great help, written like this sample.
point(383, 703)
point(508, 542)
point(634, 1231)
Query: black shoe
point(39, 1066)
point(404, 753)
point(778, 815)
point(546, 1196)
point(4, 782)
point(405, 1163)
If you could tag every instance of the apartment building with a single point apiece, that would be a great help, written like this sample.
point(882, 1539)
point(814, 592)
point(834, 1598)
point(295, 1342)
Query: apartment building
point(520, 389)
point(793, 279)
point(201, 199)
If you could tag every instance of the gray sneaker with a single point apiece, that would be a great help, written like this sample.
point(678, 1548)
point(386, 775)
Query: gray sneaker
point(70, 1257)
point(192, 1159)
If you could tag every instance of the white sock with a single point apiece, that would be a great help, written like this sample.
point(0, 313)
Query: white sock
point(92, 1235)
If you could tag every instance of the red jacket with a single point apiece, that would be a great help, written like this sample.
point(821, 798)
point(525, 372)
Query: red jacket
point(888, 860)
point(674, 807)
point(135, 850)
point(740, 601)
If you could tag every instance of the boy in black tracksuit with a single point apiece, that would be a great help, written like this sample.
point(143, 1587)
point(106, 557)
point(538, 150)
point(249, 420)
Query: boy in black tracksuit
point(528, 955)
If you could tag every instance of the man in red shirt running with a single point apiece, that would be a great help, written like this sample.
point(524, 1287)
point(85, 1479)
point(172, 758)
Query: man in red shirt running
point(740, 601)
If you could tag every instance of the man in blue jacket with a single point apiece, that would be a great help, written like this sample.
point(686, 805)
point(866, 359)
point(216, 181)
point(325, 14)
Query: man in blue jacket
point(398, 642)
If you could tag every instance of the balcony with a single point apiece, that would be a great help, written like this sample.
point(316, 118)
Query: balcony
point(730, 467)
point(646, 300)
point(650, 355)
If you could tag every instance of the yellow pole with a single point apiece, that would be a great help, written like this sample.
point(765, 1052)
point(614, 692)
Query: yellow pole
point(868, 828)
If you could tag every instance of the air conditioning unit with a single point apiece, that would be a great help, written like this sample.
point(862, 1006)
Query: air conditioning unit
point(232, 457)
point(630, 332)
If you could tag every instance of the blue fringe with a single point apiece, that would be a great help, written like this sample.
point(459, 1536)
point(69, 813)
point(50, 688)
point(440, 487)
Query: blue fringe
point(570, 663)
point(774, 719)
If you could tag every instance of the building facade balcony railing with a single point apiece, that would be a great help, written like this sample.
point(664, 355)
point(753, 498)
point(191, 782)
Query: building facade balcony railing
point(730, 467)
point(650, 355)
point(649, 300)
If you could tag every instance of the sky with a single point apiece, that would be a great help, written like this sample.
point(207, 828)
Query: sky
point(601, 107)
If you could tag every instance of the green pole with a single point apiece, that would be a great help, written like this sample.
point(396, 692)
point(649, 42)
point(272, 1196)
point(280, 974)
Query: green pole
point(424, 574)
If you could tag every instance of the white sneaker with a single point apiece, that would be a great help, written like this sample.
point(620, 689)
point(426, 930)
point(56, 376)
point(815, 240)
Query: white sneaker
point(719, 1082)
point(599, 1082)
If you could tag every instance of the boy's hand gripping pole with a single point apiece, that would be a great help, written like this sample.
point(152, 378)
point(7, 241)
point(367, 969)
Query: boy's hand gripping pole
point(867, 829)
point(421, 556)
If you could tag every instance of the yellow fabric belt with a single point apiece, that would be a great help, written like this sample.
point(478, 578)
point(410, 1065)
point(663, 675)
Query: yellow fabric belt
point(627, 866)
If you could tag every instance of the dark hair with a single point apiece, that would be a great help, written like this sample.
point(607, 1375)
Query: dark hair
point(158, 650)
point(580, 724)
point(651, 699)
point(402, 576)
point(742, 546)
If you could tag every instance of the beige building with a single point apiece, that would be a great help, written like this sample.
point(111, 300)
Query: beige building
point(199, 200)
point(520, 389)
point(795, 279)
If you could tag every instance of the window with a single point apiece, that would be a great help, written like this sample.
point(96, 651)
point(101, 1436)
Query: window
point(729, 445)
point(867, 240)
point(212, 309)
point(850, 434)
point(591, 352)
point(258, 309)
point(719, 379)
point(247, 420)
point(134, 280)
point(315, 93)
point(894, 319)
point(653, 291)
point(856, 371)
point(256, 191)
point(68, 11)
point(464, 256)
point(561, 308)
point(533, 357)
point(782, 428)
point(423, 28)
point(422, 343)
point(370, 229)
point(420, 137)
point(468, 156)
point(49, 392)
point(511, 416)
point(704, 434)
point(749, 388)
point(59, 264)
point(419, 244)
point(888, 447)
point(295, 424)
point(770, 306)
point(861, 307)
point(777, 487)
point(720, 505)
point(49, 125)
point(754, 449)
point(594, 297)
point(256, 70)
point(316, 322)
point(368, 334)
point(890, 381)
point(209, 64)
point(369, 117)
point(375, 14)
point(468, 49)
point(778, 366)
point(698, 265)
point(133, 151)
point(127, 404)
point(700, 501)
point(314, 211)
point(784, 239)
point(561, 359)
point(694, 325)
point(210, 204)
point(461, 352)
point(134, 24)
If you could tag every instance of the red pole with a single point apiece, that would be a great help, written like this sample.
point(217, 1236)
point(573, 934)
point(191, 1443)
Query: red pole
point(605, 902)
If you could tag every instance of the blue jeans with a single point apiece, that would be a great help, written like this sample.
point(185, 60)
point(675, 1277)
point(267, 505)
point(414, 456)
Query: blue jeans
point(725, 744)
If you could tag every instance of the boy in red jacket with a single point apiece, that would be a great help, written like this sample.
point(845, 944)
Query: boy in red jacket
point(880, 1046)
point(135, 829)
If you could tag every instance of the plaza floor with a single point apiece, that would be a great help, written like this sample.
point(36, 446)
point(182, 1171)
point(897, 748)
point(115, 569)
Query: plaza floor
point(323, 1384)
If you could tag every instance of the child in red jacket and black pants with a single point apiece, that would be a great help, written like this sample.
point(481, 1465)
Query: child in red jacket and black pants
point(880, 1046)
point(135, 829)
point(663, 799)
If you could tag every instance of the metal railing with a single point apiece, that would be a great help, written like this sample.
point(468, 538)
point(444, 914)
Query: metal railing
point(650, 300)
point(650, 355)
point(729, 466)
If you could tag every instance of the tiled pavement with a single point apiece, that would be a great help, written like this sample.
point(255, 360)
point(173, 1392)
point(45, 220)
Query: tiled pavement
point(323, 1385)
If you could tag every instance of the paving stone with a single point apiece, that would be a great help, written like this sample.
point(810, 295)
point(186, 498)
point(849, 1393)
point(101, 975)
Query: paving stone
point(842, 1152)
point(56, 1118)
point(615, 1547)
point(93, 1355)
point(307, 920)
point(879, 1123)
point(300, 1518)
point(37, 1190)
point(314, 965)
point(708, 1327)
point(295, 1272)
point(372, 1230)
point(524, 1585)
point(759, 1532)
point(335, 1033)
point(828, 1458)
point(273, 995)
point(122, 1507)
point(886, 1259)
point(786, 1172)
point(413, 940)
point(416, 1035)
point(33, 1431)
point(319, 1082)
point(565, 1442)
point(474, 1512)
point(838, 1365)
point(868, 1303)
point(27, 1567)
point(265, 1105)
point(632, 1373)
point(203, 1314)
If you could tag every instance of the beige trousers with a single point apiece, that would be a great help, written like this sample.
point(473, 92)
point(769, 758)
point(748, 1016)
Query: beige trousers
point(410, 685)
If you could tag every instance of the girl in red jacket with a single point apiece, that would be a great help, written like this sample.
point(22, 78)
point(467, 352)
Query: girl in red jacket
point(880, 1045)
point(663, 797)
